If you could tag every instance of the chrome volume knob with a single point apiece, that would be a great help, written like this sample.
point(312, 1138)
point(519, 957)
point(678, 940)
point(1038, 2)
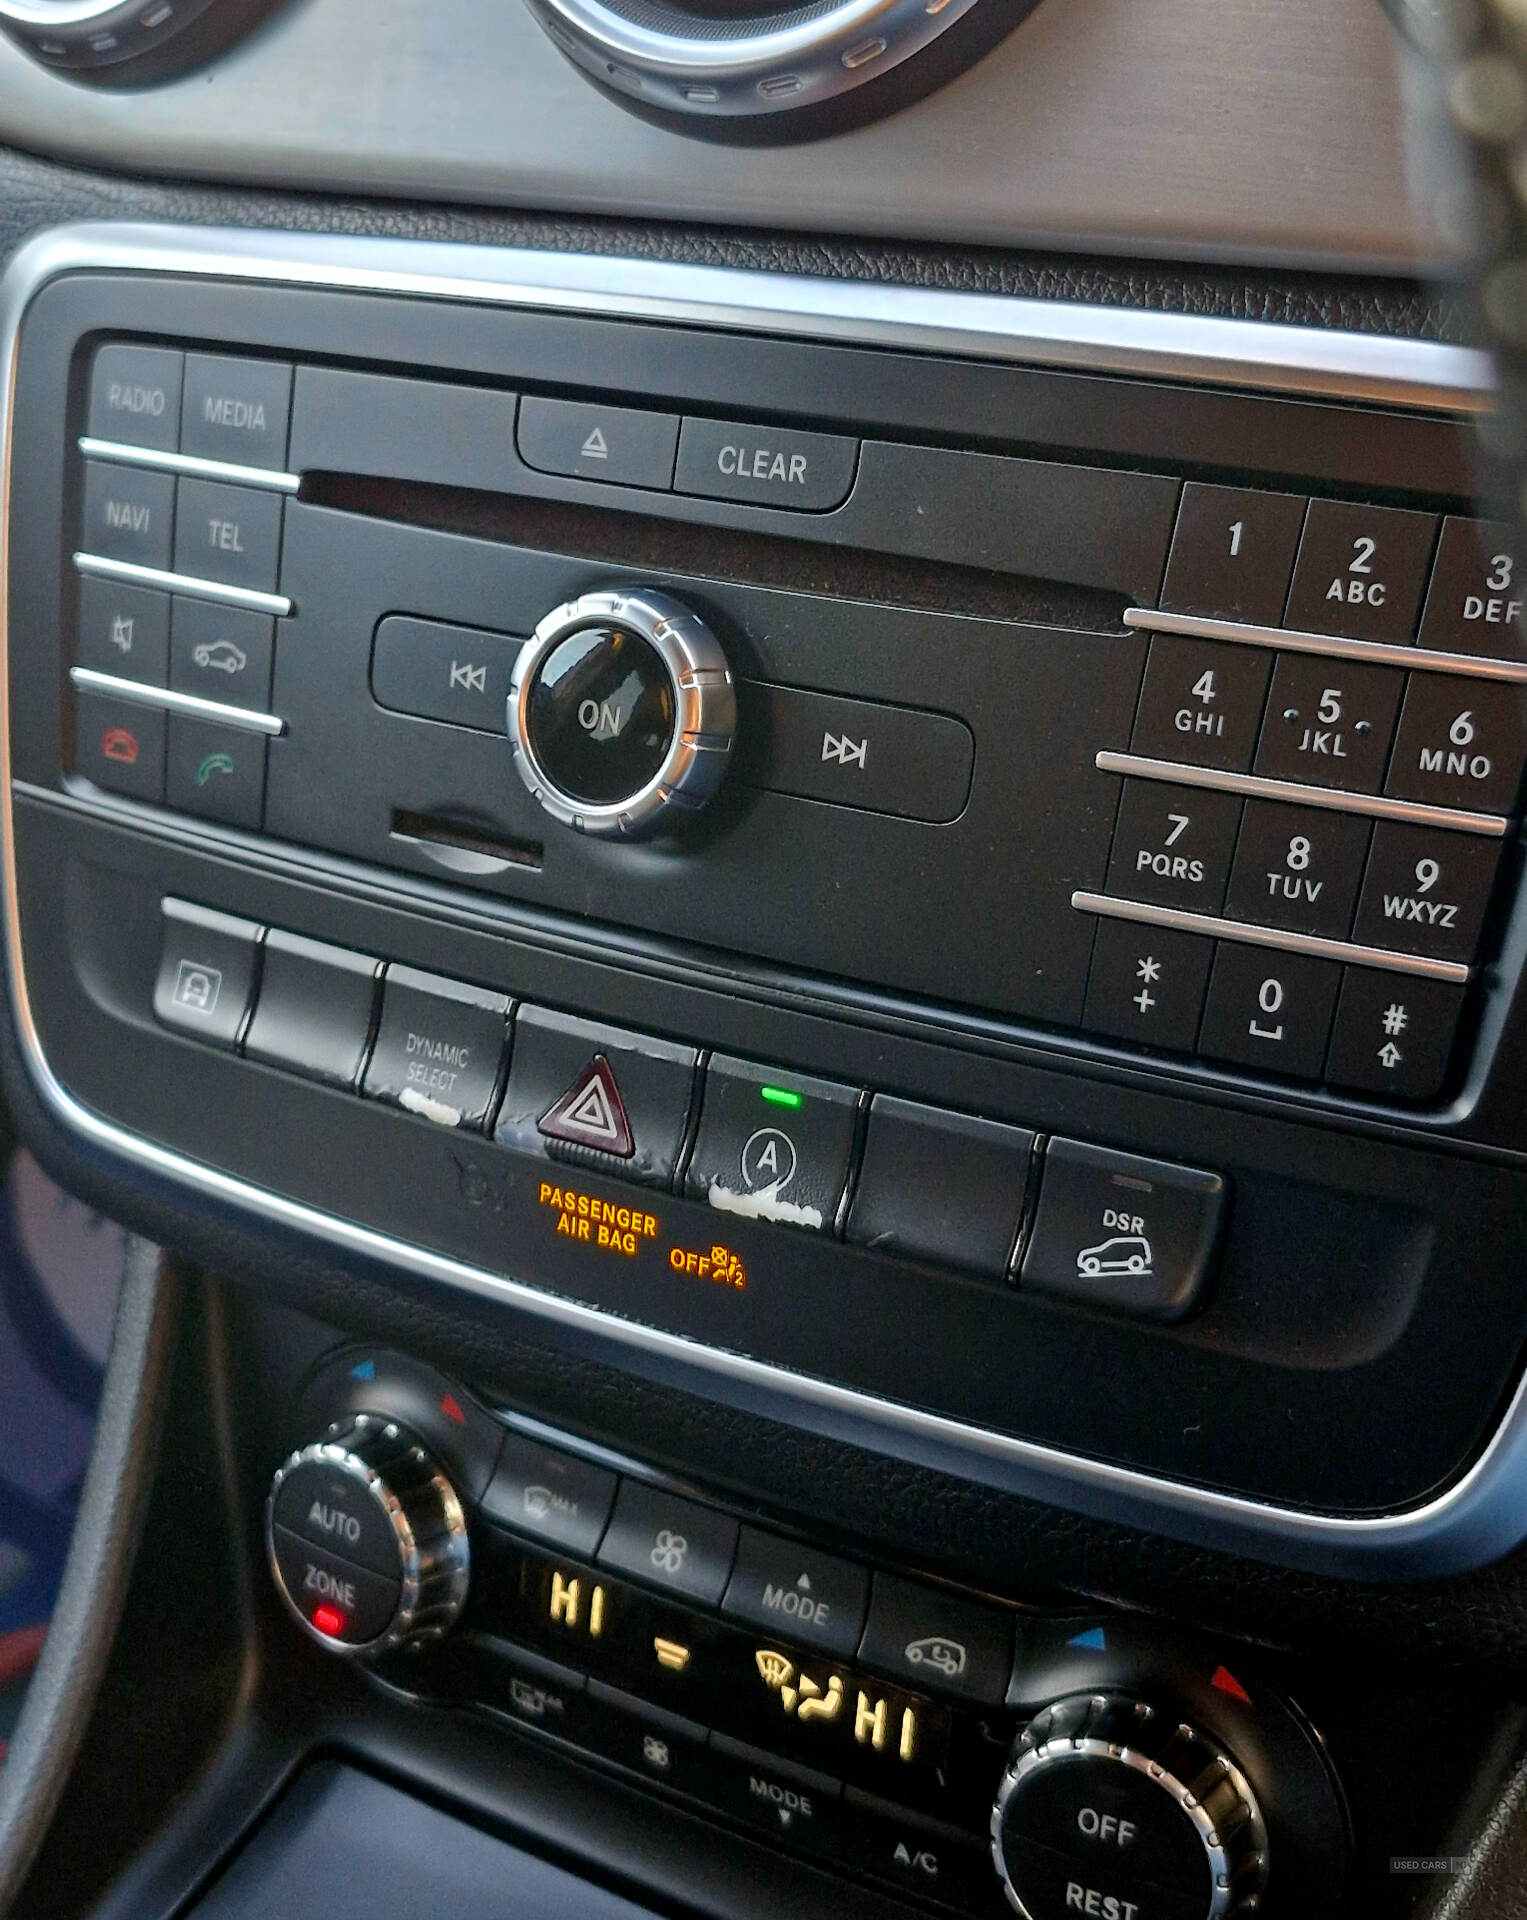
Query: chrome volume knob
point(621, 711)
point(367, 1539)
point(1111, 1806)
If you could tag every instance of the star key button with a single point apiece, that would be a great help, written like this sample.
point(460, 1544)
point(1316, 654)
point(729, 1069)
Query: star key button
point(1147, 984)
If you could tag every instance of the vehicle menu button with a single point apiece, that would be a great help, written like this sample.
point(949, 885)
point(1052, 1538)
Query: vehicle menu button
point(622, 446)
point(773, 1145)
point(206, 972)
point(221, 653)
point(768, 466)
point(798, 1593)
point(1120, 1231)
point(937, 1640)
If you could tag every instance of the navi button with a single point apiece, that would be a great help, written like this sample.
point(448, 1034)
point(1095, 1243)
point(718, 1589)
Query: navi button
point(596, 1096)
point(773, 1145)
point(1119, 1231)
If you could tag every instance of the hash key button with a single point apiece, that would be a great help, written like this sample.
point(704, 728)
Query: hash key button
point(797, 1593)
point(1172, 846)
point(1426, 891)
point(1393, 1036)
point(1119, 1231)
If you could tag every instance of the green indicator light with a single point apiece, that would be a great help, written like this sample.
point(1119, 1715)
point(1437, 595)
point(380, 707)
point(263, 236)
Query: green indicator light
point(781, 1097)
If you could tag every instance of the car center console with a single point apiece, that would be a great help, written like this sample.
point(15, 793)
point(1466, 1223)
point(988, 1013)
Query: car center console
point(960, 890)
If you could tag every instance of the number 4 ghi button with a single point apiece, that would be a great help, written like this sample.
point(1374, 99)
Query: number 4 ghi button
point(1147, 984)
point(1393, 1035)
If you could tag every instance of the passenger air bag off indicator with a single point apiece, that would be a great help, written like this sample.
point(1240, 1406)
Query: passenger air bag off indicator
point(598, 1223)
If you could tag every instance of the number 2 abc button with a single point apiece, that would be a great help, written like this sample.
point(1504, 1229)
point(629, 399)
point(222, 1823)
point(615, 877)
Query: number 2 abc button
point(1120, 1231)
point(670, 1543)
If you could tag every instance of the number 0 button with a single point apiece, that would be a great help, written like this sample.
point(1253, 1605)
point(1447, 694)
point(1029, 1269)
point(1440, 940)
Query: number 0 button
point(1269, 1010)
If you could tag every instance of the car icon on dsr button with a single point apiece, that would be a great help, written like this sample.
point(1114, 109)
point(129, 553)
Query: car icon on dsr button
point(1127, 1253)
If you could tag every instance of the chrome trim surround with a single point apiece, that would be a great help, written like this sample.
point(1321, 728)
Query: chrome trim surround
point(720, 68)
point(1378, 806)
point(186, 583)
point(169, 700)
point(1291, 640)
point(190, 464)
point(1478, 1516)
point(1109, 908)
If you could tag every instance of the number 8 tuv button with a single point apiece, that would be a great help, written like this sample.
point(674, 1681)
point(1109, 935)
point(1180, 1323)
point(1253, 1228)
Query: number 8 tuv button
point(1119, 1231)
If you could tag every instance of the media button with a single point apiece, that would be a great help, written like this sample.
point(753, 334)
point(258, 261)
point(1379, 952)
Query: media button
point(942, 1641)
point(236, 410)
point(801, 1595)
point(1172, 846)
point(622, 446)
point(773, 1145)
point(1269, 1010)
point(768, 466)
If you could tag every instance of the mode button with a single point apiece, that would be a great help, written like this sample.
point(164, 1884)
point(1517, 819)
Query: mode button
point(768, 466)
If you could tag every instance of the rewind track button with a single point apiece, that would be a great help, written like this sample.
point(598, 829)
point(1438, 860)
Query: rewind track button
point(597, 1096)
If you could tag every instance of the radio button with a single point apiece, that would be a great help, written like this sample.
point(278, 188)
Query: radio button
point(1426, 891)
point(942, 1641)
point(773, 1145)
point(596, 1096)
point(129, 513)
point(1461, 743)
point(1173, 845)
point(124, 630)
point(768, 466)
point(135, 396)
point(1329, 722)
point(1232, 554)
point(618, 445)
point(1147, 984)
point(1298, 867)
point(1119, 1231)
point(1268, 1010)
point(217, 773)
point(119, 745)
point(231, 534)
point(438, 1049)
point(1201, 703)
point(1360, 571)
point(797, 1593)
point(236, 410)
point(1393, 1036)
point(940, 1186)
point(222, 653)
point(1475, 601)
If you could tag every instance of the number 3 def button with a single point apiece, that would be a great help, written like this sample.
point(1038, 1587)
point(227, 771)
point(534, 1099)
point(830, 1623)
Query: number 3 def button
point(1119, 1231)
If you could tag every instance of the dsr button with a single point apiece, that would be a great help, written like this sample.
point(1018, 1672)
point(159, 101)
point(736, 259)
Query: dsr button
point(769, 466)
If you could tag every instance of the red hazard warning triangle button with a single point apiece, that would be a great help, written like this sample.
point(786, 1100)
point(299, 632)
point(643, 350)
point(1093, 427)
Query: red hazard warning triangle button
point(591, 1113)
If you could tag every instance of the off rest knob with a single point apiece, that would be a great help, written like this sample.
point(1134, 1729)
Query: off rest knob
point(621, 712)
point(367, 1540)
point(1114, 1809)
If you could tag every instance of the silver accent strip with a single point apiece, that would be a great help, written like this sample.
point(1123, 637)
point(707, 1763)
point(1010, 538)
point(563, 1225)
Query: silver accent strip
point(1292, 640)
point(1480, 1515)
point(1492, 826)
point(186, 583)
point(191, 464)
point(1425, 374)
point(1110, 908)
point(169, 700)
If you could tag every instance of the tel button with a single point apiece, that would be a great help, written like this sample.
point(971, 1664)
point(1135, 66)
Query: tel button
point(769, 466)
point(344, 1601)
point(1121, 1231)
point(803, 1595)
point(228, 533)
